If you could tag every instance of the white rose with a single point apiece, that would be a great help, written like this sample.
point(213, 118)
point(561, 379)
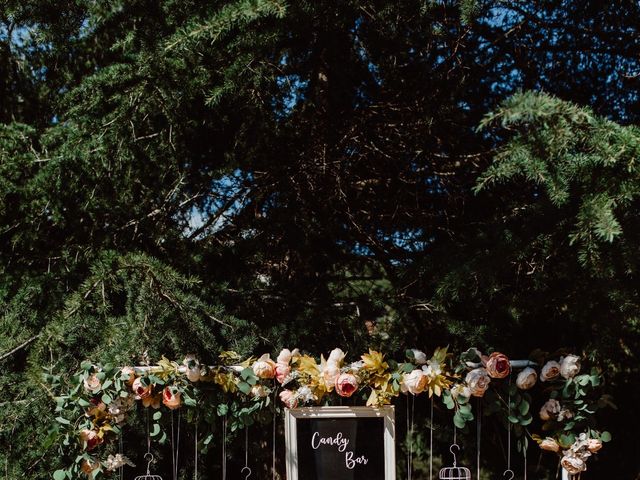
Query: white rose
point(550, 410)
point(550, 371)
point(526, 378)
point(478, 381)
point(336, 356)
point(414, 382)
point(419, 356)
point(284, 357)
point(570, 366)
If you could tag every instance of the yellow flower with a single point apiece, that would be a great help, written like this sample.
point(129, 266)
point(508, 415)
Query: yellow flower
point(374, 362)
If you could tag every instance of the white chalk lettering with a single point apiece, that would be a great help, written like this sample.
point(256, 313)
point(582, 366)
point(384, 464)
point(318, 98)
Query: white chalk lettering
point(338, 441)
point(352, 462)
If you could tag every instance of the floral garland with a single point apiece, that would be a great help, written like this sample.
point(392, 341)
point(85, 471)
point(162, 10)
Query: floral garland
point(101, 397)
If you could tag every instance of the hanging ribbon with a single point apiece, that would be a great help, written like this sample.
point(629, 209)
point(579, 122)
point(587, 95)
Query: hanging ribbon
point(431, 441)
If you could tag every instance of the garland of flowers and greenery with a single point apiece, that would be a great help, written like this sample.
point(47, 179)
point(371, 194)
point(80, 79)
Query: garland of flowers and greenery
point(100, 397)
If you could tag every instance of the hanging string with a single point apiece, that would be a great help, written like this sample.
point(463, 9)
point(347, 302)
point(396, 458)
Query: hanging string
point(246, 454)
point(479, 436)
point(412, 423)
point(273, 447)
point(524, 453)
point(148, 431)
point(121, 468)
point(195, 460)
point(175, 446)
point(431, 441)
point(408, 434)
point(509, 426)
point(224, 447)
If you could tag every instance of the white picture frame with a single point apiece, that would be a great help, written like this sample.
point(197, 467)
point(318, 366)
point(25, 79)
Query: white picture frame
point(293, 415)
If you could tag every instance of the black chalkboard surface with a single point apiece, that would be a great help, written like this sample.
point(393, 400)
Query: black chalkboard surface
point(339, 443)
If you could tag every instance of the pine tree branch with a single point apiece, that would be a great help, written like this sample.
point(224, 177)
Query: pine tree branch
point(20, 347)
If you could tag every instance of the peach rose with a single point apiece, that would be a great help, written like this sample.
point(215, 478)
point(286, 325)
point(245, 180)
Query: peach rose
point(282, 372)
point(171, 399)
point(526, 379)
point(414, 382)
point(550, 410)
point(88, 467)
point(550, 445)
point(498, 365)
point(573, 465)
point(569, 366)
point(478, 381)
point(90, 439)
point(141, 390)
point(593, 445)
point(346, 385)
point(264, 367)
point(550, 371)
point(92, 383)
point(288, 398)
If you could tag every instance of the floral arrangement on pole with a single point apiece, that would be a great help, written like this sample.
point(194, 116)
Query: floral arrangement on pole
point(100, 399)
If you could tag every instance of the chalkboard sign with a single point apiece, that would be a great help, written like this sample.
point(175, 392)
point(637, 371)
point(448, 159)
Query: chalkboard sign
point(340, 443)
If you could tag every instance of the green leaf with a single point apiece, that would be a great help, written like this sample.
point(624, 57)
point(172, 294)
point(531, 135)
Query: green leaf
point(524, 408)
point(605, 437)
point(458, 421)
point(63, 421)
point(59, 475)
point(244, 387)
point(157, 415)
point(106, 398)
point(156, 430)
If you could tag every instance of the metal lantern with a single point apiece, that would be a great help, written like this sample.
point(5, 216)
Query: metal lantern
point(455, 472)
point(149, 458)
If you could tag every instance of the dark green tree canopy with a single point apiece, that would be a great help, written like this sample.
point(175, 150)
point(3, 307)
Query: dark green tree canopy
point(183, 176)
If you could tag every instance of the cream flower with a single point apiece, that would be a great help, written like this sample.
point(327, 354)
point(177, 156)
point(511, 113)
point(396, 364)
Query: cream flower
point(593, 445)
point(414, 382)
point(284, 357)
point(259, 391)
point(550, 445)
point(193, 367)
point(419, 356)
point(336, 357)
point(478, 381)
point(116, 461)
point(282, 372)
point(305, 394)
point(526, 379)
point(432, 370)
point(460, 389)
point(264, 367)
point(330, 373)
point(550, 371)
point(550, 410)
point(92, 383)
point(569, 366)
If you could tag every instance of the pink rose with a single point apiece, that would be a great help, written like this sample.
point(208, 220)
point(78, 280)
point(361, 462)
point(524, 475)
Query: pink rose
point(282, 371)
point(346, 385)
point(284, 357)
point(141, 390)
point(288, 398)
point(171, 399)
point(498, 365)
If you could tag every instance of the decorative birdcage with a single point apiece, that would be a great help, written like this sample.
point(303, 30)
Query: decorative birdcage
point(454, 472)
point(148, 476)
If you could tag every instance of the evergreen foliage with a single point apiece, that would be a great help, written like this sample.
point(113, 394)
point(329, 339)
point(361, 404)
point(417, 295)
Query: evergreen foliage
point(183, 176)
